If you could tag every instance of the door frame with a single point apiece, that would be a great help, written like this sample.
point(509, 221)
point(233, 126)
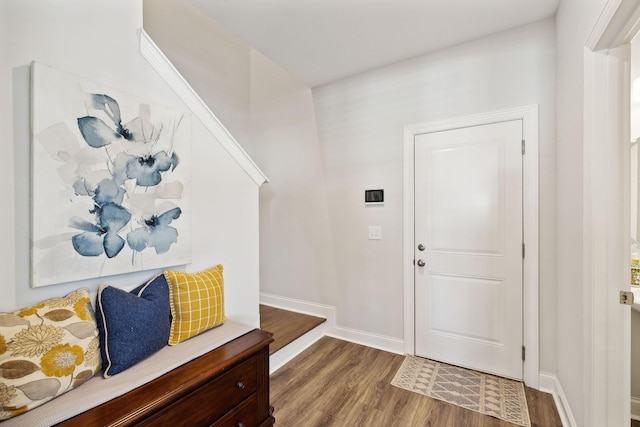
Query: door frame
point(606, 363)
point(529, 116)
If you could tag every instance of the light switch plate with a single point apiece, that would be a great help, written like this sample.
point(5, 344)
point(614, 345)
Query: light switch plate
point(375, 232)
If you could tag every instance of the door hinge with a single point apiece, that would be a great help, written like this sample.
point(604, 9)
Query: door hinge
point(523, 250)
point(523, 148)
point(523, 353)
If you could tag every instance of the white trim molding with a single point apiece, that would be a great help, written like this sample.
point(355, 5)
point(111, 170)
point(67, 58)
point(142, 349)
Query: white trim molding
point(617, 24)
point(161, 64)
point(284, 355)
point(298, 306)
point(381, 342)
point(529, 116)
point(606, 387)
point(549, 384)
point(369, 339)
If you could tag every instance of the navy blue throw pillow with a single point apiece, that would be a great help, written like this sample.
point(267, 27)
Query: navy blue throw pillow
point(132, 325)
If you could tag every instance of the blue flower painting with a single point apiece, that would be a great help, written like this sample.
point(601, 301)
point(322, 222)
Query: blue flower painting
point(101, 237)
point(155, 233)
point(111, 181)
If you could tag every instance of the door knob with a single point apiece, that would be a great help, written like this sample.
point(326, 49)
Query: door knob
point(421, 263)
point(421, 247)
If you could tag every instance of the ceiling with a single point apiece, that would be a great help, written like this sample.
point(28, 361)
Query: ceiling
point(320, 41)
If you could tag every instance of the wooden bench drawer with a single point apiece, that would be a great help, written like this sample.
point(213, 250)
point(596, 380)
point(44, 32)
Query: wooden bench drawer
point(212, 400)
point(243, 415)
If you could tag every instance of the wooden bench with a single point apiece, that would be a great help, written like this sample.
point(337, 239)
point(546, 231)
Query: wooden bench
point(226, 386)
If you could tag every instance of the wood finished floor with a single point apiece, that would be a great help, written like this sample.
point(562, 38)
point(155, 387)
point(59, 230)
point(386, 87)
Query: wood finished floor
point(338, 383)
point(286, 326)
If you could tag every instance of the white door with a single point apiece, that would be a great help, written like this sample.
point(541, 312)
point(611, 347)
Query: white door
point(468, 233)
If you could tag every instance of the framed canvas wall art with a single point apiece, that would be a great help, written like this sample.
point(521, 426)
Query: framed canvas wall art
point(110, 181)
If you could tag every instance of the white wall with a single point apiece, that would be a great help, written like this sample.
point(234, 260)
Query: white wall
point(99, 41)
point(296, 251)
point(272, 116)
point(360, 123)
point(214, 62)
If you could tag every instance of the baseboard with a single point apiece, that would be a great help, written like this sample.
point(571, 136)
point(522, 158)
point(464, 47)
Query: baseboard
point(549, 383)
point(635, 408)
point(313, 309)
point(284, 355)
point(381, 342)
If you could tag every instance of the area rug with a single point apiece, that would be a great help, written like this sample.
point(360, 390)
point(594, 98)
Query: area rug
point(490, 395)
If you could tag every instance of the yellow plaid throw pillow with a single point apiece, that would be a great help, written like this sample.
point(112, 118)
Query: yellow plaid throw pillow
point(197, 302)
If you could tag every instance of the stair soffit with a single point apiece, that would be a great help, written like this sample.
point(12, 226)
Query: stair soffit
point(163, 66)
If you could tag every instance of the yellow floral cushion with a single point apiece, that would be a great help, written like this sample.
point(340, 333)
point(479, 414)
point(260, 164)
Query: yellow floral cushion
point(46, 350)
point(197, 302)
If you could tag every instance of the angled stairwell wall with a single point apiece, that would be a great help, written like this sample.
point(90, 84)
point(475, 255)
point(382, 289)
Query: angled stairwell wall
point(100, 41)
point(272, 117)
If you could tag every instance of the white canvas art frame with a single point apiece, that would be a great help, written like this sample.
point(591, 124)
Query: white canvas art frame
point(110, 181)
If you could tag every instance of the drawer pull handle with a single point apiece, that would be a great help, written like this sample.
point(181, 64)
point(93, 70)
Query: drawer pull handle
point(241, 424)
point(240, 386)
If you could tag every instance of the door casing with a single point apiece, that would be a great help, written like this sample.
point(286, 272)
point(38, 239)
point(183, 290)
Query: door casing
point(529, 116)
point(607, 328)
